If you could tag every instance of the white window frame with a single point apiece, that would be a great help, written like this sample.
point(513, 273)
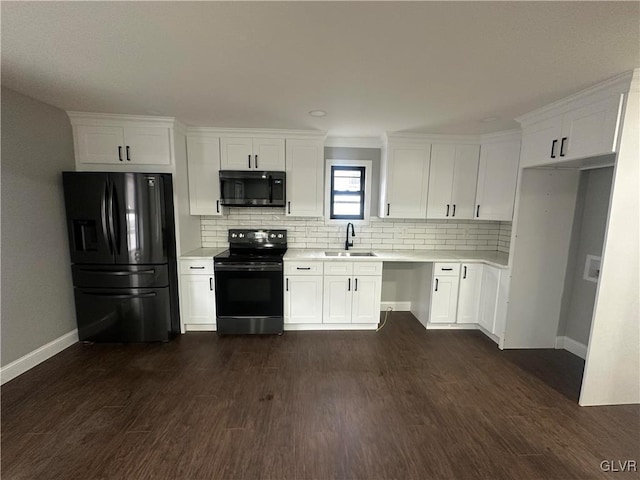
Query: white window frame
point(368, 170)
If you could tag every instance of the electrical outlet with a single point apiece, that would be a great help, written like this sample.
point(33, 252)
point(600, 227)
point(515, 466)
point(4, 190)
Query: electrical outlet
point(592, 268)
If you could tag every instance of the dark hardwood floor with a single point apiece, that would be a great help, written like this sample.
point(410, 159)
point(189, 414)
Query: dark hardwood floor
point(403, 403)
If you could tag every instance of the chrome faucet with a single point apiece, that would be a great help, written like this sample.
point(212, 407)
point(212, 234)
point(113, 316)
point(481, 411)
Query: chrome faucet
point(347, 243)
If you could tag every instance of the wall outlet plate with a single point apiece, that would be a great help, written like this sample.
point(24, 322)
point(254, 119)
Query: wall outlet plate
point(592, 268)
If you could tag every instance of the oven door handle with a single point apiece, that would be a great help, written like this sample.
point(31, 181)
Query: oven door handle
point(245, 267)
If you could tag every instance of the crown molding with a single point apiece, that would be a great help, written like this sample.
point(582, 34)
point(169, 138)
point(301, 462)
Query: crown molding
point(614, 86)
point(354, 142)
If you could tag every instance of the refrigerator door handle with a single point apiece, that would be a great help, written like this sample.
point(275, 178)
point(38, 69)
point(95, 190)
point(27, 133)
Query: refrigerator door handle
point(114, 223)
point(104, 216)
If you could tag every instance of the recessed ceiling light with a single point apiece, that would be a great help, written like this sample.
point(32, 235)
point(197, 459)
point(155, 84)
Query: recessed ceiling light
point(489, 119)
point(317, 113)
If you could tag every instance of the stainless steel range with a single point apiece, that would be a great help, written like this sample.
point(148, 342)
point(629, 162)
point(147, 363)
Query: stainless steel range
point(249, 282)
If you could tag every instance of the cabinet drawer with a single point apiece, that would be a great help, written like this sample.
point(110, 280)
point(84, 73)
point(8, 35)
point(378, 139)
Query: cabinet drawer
point(197, 266)
point(446, 269)
point(338, 268)
point(367, 268)
point(303, 268)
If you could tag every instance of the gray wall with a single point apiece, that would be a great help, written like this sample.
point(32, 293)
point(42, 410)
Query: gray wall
point(587, 238)
point(37, 295)
point(373, 154)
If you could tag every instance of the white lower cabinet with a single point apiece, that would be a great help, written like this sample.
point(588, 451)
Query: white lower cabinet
point(353, 294)
point(444, 299)
point(303, 299)
point(469, 293)
point(197, 294)
point(489, 298)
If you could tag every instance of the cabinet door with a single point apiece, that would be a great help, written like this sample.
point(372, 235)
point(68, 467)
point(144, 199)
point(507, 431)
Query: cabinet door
point(236, 153)
point(538, 142)
point(336, 306)
point(441, 181)
point(99, 144)
point(407, 181)
point(465, 179)
point(444, 298)
point(303, 299)
point(366, 299)
point(469, 293)
point(305, 178)
point(147, 145)
point(489, 296)
point(591, 130)
point(198, 299)
point(497, 179)
point(268, 154)
point(203, 162)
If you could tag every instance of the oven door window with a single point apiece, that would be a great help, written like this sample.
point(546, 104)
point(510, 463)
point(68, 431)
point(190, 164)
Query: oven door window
point(249, 293)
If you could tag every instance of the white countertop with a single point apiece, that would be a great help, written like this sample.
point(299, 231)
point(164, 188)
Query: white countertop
point(496, 259)
point(203, 252)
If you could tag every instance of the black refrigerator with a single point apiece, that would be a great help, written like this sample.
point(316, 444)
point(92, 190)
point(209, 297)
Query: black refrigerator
point(123, 255)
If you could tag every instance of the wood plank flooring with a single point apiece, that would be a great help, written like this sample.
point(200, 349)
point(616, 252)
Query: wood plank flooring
point(403, 403)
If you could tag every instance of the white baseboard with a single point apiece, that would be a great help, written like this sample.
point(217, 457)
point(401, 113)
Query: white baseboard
point(569, 344)
point(329, 326)
point(31, 359)
point(451, 326)
point(200, 327)
point(396, 306)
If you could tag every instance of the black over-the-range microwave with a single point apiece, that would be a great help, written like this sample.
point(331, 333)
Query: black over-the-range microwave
point(252, 189)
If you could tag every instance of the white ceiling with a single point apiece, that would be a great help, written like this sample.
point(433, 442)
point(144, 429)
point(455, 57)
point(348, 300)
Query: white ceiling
point(436, 67)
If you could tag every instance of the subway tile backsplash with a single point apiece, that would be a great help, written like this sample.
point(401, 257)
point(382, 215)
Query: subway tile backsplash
point(399, 234)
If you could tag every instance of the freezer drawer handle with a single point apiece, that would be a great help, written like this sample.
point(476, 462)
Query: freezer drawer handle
point(120, 272)
point(113, 295)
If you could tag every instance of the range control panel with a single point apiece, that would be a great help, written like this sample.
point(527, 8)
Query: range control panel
point(257, 237)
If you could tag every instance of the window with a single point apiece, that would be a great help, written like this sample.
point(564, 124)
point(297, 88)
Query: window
point(347, 193)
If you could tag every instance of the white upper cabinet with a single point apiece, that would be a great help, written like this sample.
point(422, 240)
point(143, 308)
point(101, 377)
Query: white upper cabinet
point(252, 153)
point(203, 162)
point(147, 145)
point(123, 140)
point(96, 144)
point(452, 181)
point(497, 179)
point(305, 177)
point(582, 128)
point(404, 179)
point(590, 130)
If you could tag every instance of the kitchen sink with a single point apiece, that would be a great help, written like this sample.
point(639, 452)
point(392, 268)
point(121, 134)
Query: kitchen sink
point(349, 254)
